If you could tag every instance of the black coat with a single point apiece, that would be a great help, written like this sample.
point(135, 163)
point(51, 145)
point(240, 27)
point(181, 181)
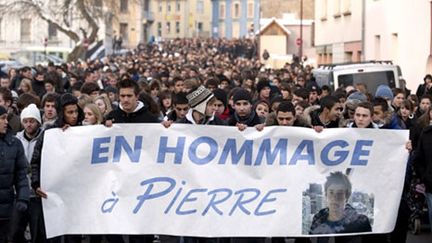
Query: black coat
point(352, 222)
point(252, 120)
point(423, 90)
point(13, 174)
point(142, 115)
point(422, 160)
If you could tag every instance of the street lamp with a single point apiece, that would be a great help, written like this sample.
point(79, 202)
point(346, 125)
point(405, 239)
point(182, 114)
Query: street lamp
point(301, 31)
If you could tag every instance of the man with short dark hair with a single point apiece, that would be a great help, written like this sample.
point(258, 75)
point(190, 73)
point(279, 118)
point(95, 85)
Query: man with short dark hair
point(181, 108)
point(299, 95)
point(49, 105)
point(69, 115)
point(383, 116)
point(286, 116)
point(244, 116)
point(130, 109)
point(328, 115)
point(363, 114)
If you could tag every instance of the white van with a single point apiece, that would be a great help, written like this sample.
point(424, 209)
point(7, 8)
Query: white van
point(35, 55)
point(371, 73)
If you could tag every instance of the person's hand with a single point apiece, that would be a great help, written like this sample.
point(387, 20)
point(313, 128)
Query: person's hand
point(41, 193)
point(66, 126)
point(108, 123)
point(167, 124)
point(318, 129)
point(408, 146)
point(241, 127)
point(260, 127)
point(21, 206)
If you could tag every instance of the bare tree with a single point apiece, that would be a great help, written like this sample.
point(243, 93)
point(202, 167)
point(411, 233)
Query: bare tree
point(59, 13)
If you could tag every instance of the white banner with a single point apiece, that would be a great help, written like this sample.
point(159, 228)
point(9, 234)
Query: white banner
point(216, 181)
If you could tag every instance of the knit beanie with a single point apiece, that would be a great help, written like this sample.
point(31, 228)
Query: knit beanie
point(262, 84)
point(242, 94)
point(31, 111)
point(199, 98)
point(384, 91)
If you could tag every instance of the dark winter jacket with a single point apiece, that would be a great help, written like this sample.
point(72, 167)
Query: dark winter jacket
point(316, 121)
point(423, 90)
point(35, 162)
point(251, 120)
point(352, 222)
point(422, 160)
point(140, 115)
point(13, 174)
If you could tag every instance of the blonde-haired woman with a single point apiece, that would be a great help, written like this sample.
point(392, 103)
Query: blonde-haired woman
point(92, 115)
point(25, 87)
point(103, 102)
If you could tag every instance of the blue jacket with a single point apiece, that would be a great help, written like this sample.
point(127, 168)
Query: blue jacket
point(13, 174)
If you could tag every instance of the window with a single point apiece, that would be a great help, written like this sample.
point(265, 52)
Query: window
point(25, 29)
point(371, 79)
point(250, 10)
point(222, 11)
point(323, 9)
point(177, 27)
point(200, 27)
point(52, 32)
point(124, 31)
point(236, 13)
point(160, 6)
point(159, 29)
point(1, 20)
point(200, 6)
point(377, 47)
point(146, 5)
point(346, 7)
point(178, 6)
point(336, 8)
point(168, 6)
point(123, 6)
point(168, 27)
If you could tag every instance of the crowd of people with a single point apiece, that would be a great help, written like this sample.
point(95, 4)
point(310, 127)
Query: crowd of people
point(198, 82)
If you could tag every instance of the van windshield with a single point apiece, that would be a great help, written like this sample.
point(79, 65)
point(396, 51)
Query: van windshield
point(371, 79)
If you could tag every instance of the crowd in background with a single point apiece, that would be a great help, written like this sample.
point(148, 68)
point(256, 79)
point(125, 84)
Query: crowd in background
point(204, 82)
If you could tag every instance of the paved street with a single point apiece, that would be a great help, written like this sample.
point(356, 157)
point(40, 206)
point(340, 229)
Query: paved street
point(421, 238)
point(424, 236)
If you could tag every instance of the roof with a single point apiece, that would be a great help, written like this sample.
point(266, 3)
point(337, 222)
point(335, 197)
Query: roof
point(278, 23)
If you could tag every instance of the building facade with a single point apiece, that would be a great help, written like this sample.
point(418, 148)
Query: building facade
point(338, 35)
point(235, 18)
point(281, 38)
point(276, 9)
point(403, 36)
point(127, 18)
point(181, 18)
point(127, 22)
